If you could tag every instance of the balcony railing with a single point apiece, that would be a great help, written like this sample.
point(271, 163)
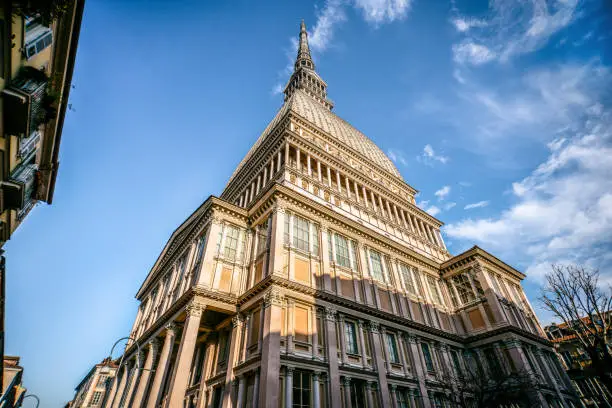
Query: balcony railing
point(18, 190)
point(28, 145)
point(24, 107)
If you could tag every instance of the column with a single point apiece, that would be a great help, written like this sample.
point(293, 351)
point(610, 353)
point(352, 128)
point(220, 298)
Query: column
point(338, 180)
point(364, 357)
point(377, 351)
point(315, 390)
point(342, 339)
point(319, 175)
point(119, 394)
point(325, 257)
point(290, 327)
point(269, 387)
point(419, 369)
point(255, 403)
point(232, 358)
point(329, 177)
point(278, 158)
point(365, 196)
point(394, 395)
point(288, 387)
point(348, 187)
point(401, 339)
point(346, 381)
point(356, 191)
point(185, 355)
point(371, 386)
point(146, 373)
point(332, 349)
point(308, 165)
point(315, 334)
point(240, 397)
point(271, 169)
point(286, 154)
point(275, 264)
point(298, 163)
point(134, 379)
point(162, 367)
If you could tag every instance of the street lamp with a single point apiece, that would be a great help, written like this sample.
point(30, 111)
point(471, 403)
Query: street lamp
point(111, 384)
point(33, 396)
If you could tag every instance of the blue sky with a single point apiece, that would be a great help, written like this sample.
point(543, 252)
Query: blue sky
point(498, 112)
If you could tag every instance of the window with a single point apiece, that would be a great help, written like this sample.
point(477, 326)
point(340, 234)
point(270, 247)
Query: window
point(301, 389)
point(353, 248)
point(329, 245)
point(96, 399)
point(200, 248)
point(287, 216)
point(301, 234)
point(231, 242)
point(417, 279)
point(342, 251)
point(350, 334)
point(433, 288)
point(407, 278)
point(401, 400)
point(37, 38)
point(464, 288)
point(451, 293)
point(392, 347)
point(262, 236)
point(315, 239)
point(493, 361)
point(427, 356)
point(102, 381)
point(377, 266)
point(456, 363)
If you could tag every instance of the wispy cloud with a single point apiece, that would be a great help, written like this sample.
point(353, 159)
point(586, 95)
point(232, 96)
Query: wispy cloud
point(397, 156)
point(511, 28)
point(429, 156)
point(563, 208)
point(479, 204)
point(332, 14)
point(443, 192)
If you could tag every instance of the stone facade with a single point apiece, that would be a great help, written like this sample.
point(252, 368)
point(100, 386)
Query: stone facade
point(91, 391)
point(315, 281)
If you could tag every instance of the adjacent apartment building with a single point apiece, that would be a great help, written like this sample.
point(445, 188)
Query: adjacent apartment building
point(315, 281)
point(92, 389)
point(38, 42)
point(577, 363)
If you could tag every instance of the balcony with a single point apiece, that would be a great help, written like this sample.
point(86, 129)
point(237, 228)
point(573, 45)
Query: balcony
point(28, 145)
point(18, 190)
point(25, 106)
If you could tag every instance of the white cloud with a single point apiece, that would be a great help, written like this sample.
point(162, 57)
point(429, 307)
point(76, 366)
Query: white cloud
point(443, 192)
point(512, 28)
point(479, 204)
point(333, 12)
point(433, 210)
point(472, 53)
point(450, 205)
point(429, 156)
point(397, 156)
point(563, 209)
point(383, 11)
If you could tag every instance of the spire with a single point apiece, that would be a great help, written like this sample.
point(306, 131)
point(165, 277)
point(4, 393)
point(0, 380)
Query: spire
point(303, 56)
point(304, 76)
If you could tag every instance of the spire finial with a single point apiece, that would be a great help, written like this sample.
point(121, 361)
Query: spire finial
point(303, 57)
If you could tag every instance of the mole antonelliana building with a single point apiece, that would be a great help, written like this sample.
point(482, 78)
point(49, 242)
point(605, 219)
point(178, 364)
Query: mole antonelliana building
point(315, 281)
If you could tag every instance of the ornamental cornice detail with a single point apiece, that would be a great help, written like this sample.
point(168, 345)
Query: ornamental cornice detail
point(273, 297)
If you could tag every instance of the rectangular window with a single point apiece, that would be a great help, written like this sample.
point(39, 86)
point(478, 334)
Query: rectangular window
point(96, 399)
point(342, 251)
point(301, 315)
point(455, 357)
point(353, 248)
point(301, 239)
point(377, 266)
point(433, 288)
point(301, 390)
point(493, 361)
point(392, 347)
point(37, 38)
point(401, 400)
point(427, 357)
point(407, 277)
point(350, 334)
point(200, 249)
point(329, 246)
point(287, 216)
point(417, 279)
point(254, 335)
point(451, 293)
point(464, 288)
point(231, 243)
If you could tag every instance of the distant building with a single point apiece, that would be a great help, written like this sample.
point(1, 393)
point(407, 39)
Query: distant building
point(12, 391)
point(92, 389)
point(316, 281)
point(577, 364)
point(37, 56)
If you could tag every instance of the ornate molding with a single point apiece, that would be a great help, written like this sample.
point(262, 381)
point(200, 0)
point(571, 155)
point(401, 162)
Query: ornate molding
point(374, 327)
point(194, 309)
point(331, 314)
point(237, 320)
point(273, 296)
point(346, 380)
point(171, 329)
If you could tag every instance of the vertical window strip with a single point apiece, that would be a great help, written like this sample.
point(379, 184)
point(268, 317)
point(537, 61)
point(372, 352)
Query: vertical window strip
point(433, 288)
point(407, 277)
point(377, 268)
point(231, 243)
point(315, 239)
point(392, 347)
point(427, 356)
point(342, 251)
point(351, 338)
point(301, 238)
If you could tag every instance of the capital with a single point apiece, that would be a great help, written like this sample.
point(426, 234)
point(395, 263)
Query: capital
point(237, 320)
point(412, 338)
point(331, 313)
point(289, 370)
point(171, 329)
point(194, 309)
point(346, 381)
point(374, 327)
point(273, 296)
point(153, 346)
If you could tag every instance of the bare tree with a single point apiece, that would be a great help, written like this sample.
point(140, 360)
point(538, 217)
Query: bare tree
point(573, 293)
point(475, 389)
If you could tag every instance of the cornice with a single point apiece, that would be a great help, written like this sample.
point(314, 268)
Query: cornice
point(480, 254)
